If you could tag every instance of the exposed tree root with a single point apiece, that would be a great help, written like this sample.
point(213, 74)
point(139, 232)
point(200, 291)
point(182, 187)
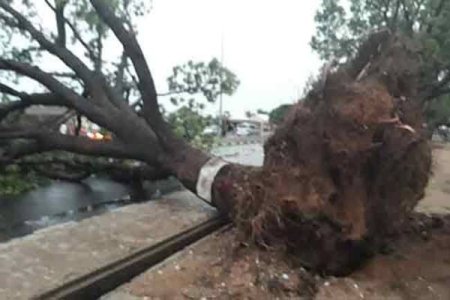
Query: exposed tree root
point(346, 167)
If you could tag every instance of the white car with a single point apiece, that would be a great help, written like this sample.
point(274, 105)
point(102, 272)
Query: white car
point(211, 130)
point(246, 129)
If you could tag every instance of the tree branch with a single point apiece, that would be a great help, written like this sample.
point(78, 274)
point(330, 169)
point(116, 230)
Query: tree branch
point(99, 90)
point(50, 140)
point(106, 117)
point(65, 75)
point(78, 168)
point(98, 63)
point(9, 90)
point(75, 32)
point(63, 53)
point(67, 96)
point(61, 23)
point(120, 73)
point(27, 100)
point(134, 52)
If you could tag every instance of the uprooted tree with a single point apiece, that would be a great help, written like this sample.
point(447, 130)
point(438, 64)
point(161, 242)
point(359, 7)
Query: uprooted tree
point(340, 173)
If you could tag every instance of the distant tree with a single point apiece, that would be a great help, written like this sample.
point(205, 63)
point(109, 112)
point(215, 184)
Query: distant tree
point(191, 87)
point(262, 111)
point(207, 79)
point(343, 25)
point(276, 116)
point(188, 122)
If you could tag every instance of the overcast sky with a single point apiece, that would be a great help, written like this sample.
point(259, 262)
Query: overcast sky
point(266, 44)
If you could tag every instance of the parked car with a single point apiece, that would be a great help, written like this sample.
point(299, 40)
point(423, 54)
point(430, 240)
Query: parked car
point(246, 129)
point(211, 130)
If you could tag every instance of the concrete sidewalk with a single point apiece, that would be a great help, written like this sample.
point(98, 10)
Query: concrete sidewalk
point(55, 255)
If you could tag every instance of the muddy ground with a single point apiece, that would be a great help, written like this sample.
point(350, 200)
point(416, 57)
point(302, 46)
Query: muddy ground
point(414, 266)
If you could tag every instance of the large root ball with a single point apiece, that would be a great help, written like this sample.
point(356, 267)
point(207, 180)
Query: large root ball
point(345, 169)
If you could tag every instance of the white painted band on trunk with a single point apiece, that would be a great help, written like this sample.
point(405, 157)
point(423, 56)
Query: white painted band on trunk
point(206, 177)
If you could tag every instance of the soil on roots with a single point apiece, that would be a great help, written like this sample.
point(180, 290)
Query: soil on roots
point(342, 172)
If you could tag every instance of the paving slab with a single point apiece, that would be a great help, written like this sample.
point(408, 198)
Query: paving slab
point(50, 257)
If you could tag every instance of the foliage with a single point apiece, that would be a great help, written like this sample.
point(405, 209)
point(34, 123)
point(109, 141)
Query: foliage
point(188, 123)
point(208, 79)
point(262, 111)
point(13, 181)
point(341, 26)
point(339, 31)
point(191, 87)
point(276, 116)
